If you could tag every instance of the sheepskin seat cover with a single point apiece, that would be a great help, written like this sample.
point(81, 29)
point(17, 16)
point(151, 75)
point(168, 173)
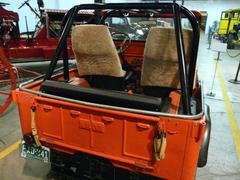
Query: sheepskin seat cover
point(95, 51)
point(160, 65)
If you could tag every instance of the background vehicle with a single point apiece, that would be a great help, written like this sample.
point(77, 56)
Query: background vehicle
point(9, 29)
point(32, 46)
point(228, 19)
point(100, 122)
point(233, 37)
point(35, 46)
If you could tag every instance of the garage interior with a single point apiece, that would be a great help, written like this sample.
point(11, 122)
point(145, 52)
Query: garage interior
point(217, 69)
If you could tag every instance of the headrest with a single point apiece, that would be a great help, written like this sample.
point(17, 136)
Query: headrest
point(95, 51)
point(160, 65)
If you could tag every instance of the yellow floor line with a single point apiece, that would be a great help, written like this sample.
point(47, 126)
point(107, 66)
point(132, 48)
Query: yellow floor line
point(10, 149)
point(230, 113)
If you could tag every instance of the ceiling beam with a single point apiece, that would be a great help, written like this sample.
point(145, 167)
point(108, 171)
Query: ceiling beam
point(99, 1)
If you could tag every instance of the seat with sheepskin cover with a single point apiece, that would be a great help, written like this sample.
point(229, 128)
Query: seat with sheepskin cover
point(97, 57)
point(160, 70)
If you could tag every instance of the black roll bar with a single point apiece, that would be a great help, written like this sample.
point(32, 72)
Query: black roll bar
point(62, 44)
point(181, 59)
point(65, 62)
point(195, 44)
point(186, 80)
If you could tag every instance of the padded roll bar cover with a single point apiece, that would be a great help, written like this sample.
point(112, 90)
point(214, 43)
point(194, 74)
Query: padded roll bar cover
point(95, 51)
point(160, 65)
point(100, 96)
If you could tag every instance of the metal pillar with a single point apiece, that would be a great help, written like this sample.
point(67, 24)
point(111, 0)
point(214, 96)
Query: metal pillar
point(97, 12)
point(236, 81)
point(218, 56)
point(211, 92)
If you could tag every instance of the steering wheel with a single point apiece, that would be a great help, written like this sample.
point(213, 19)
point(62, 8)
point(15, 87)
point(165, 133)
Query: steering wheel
point(124, 45)
point(125, 38)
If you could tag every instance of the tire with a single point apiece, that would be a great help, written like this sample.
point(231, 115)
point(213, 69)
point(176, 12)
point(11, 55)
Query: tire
point(230, 44)
point(203, 154)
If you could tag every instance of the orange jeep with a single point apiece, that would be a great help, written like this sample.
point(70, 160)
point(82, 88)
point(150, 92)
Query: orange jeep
point(131, 107)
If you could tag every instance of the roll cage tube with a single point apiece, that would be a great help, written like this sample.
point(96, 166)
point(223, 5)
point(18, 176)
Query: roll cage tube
point(62, 45)
point(185, 80)
point(195, 44)
point(181, 60)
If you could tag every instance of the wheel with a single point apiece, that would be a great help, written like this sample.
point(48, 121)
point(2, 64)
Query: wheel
point(124, 44)
point(230, 43)
point(123, 37)
point(7, 82)
point(203, 154)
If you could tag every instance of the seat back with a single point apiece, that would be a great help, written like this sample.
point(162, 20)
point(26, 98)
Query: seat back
point(160, 66)
point(96, 56)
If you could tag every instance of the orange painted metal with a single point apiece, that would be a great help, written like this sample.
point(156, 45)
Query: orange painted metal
point(125, 138)
point(175, 96)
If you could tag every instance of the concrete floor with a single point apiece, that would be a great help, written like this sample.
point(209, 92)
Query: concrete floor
point(223, 162)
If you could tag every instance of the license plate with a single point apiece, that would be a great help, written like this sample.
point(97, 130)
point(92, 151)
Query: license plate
point(41, 153)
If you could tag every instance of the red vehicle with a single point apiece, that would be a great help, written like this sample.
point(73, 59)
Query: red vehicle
point(38, 45)
point(135, 113)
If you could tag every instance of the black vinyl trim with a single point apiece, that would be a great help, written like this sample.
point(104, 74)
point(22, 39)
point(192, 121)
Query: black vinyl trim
point(101, 96)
